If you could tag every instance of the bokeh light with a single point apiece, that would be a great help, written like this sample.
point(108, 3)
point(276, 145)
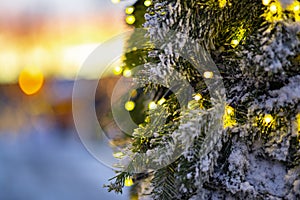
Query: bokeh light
point(31, 80)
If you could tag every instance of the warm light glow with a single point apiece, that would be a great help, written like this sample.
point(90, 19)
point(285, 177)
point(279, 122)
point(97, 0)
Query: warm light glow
point(208, 74)
point(115, 1)
point(118, 155)
point(234, 43)
point(296, 8)
point(161, 101)
point(76, 55)
point(118, 70)
point(266, 2)
point(298, 123)
point(128, 182)
point(197, 97)
point(147, 3)
point(130, 19)
point(152, 105)
point(133, 94)
point(268, 118)
point(229, 110)
point(229, 117)
point(222, 3)
point(129, 105)
point(273, 8)
point(31, 80)
point(129, 10)
point(127, 73)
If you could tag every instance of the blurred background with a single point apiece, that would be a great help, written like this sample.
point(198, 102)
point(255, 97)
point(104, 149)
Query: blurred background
point(42, 46)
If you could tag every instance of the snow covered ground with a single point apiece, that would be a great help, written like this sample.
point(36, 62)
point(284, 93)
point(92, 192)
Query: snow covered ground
point(47, 168)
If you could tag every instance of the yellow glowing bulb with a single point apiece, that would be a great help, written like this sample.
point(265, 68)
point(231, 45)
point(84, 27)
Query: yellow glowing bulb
point(268, 118)
point(208, 74)
point(115, 1)
point(130, 19)
point(266, 2)
point(273, 8)
point(197, 97)
point(296, 8)
point(234, 43)
point(118, 70)
point(31, 80)
point(161, 101)
point(147, 3)
point(118, 155)
point(127, 73)
point(133, 94)
point(298, 122)
point(129, 10)
point(229, 110)
point(222, 3)
point(128, 182)
point(129, 105)
point(152, 105)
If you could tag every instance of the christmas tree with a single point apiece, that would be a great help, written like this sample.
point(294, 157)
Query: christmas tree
point(224, 120)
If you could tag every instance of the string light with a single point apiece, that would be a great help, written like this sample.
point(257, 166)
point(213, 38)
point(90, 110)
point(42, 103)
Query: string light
point(152, 105)
point(133, 94)
point(229, 110)
point(118, 155)
point(273, 8)
point(118, 70)
point(161, 101)
point(130, 19)
point(298, 122)
point(234, 43)
point(127, 73)
point(208, 74)
point(197, 97)
point(296, 8)
point(222, 3)
point(128, 182)
point(266, 2)
point(129, 105)
point(129, 10)
point(229, 117)
point(268, 119)
point(148, 3)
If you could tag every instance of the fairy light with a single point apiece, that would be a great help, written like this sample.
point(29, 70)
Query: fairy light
point(148, 3)
point(229, 110)
point(118, 155)
point(197, 97)
point(127, 73)
point(152, 105)
point(229, 117)
point(129, 10)
point(128, 182)
point(298, 122)
point(222, 3)
point(234, 43)
point(118, 70)
point(161, 101)
point(208, 74)
point(130, 19)
point(266, 2)
point(133, 94)
point(296, 8)
point(129, 105)
point(268, 119)
point(273, 8)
